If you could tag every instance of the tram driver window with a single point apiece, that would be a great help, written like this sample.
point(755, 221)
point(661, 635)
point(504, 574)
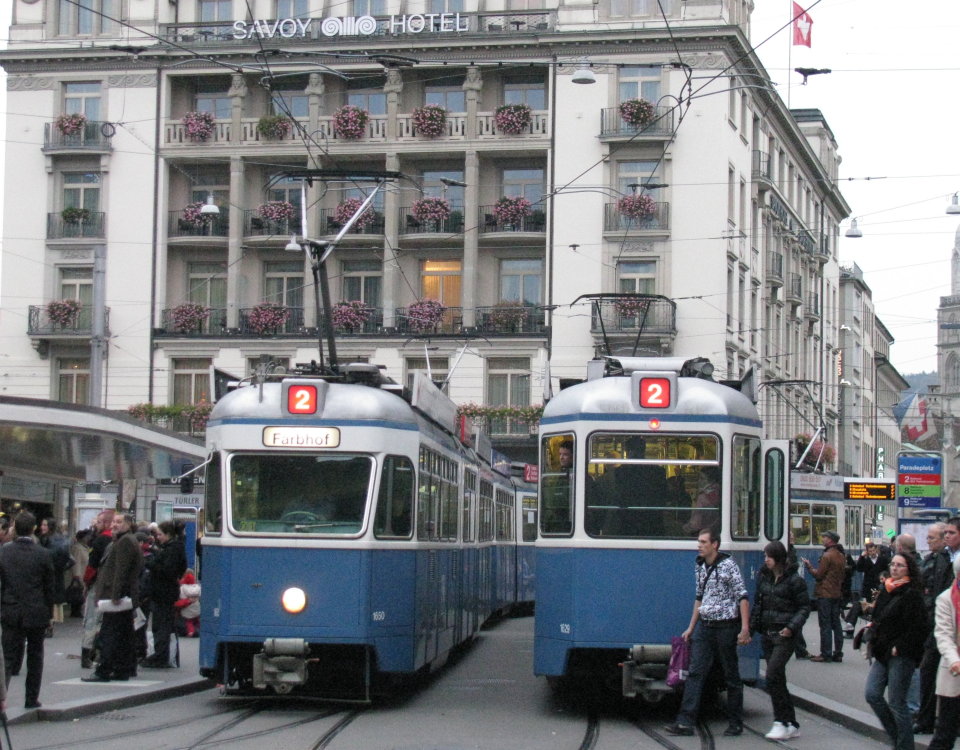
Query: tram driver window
point(212, 501)
point(652, 486)
point(557, 482)
point(395, 502)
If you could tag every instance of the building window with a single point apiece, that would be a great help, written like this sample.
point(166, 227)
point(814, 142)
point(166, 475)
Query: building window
point(362, 280)
point(446, 6)
point(372, 100)
point(73, 380)
point(81, 190)
point(291, 103)
point(82, 98)
point(447, 92)
point(637, 277)
point(287, 189)
point(437, 371)
point(86, 18)
point(521, 280)
point(213, 97)
point(76, 282)
point(191, 380)
point(215, 10)
point(434, 187)
point(640, 82)
point(292, 8)
point(638, 8)
point(283, 283)
point(441, 280)
point(369, 7)
point(207, 285)
point(638, 173)
point(508, 384)
point(531, 91)
point(524, 182)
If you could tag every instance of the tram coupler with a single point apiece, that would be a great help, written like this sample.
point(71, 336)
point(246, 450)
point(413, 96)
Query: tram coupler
point(644, 672)
point(282, 665)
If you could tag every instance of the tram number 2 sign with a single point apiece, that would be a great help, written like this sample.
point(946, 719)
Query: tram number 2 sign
point(655, 393)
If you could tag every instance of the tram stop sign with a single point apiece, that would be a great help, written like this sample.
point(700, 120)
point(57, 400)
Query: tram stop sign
point(919, 480)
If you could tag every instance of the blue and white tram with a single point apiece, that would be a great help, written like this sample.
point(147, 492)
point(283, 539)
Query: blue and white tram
point(659, 452)
point(350, 537)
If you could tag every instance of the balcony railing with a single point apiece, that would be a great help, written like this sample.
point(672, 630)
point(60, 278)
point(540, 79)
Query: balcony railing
point(293, 325)
point(762, 166)
point(329, 224)
point(614, 221)
point(807, 243)
point(455, 126)
point(795, 288)
point(774, 266)
point(175, 133)
point(535, 222)
point(254, 225)
point(613, 125)
point(90, 138)
point(630, 314)
point(373, 324)
point(812, 306)
point(451, 323)
point(92, 226)
point(539, 126)
point(410, 224)
point(511, 321)
point(214, 325)
point(218, 225)
point(39, 323)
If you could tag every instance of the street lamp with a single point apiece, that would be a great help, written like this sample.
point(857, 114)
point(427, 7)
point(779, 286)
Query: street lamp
point(854, 231)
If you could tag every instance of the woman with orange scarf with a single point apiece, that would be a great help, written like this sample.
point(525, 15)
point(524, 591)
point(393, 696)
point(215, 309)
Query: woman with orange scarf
point(900, 630)
point(947, 632)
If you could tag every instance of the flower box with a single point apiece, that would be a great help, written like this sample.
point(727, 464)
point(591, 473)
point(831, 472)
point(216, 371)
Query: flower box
point(198, 126)
point(348, 207)
point(63, 312)
point(350, 315)
point(508, 314)
point(425, 315)
point(74, 215)
point(276, 127)
point(193, 215)
point(637, 206)
point(71, 124)
point(350, 122)
point(430, 120)
point(189, 317)
point(632, 307)
point(512, 119)
point(430, 209)
point(267, 317)
point(276, 211)
point(511, 210)
point(637, 113)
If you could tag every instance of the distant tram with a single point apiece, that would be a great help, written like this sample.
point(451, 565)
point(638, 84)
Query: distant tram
point(634, 462)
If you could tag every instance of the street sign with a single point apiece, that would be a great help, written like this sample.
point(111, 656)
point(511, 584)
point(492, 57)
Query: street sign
point(919, 480)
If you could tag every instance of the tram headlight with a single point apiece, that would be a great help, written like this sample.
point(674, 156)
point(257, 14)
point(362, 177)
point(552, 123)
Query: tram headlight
point(294, 600)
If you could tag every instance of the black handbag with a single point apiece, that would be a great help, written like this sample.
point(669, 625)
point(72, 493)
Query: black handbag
point(73, 594)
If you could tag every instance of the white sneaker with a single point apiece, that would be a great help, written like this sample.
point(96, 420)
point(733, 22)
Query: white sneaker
point(778, 731)
point(792, 731)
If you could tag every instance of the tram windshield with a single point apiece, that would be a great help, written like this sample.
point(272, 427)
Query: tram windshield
point(299, 494)
point(652, 486)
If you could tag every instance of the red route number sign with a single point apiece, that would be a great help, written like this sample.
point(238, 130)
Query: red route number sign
point(302, 399)
point(655, 393)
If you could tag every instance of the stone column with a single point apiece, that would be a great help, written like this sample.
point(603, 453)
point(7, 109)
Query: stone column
point(471, 237)
point(391, 245)
point(234, 241)
point(393, 88)
point(238, 91)
point(472, 85)
point(315, 90)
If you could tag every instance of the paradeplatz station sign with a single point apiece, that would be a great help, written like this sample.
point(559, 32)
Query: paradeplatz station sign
point(306, 28)
point(919, 480)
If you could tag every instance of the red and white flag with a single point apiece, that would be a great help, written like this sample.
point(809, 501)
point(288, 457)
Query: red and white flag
point(802, 26)
point(916, 424)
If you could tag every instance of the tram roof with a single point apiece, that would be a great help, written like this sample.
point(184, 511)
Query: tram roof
point(610, 396)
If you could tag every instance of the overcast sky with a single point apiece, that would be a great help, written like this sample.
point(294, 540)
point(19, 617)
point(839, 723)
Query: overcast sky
point(891, 102)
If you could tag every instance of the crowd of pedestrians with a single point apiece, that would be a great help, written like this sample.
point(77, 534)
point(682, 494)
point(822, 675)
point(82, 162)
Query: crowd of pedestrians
point(129, 584)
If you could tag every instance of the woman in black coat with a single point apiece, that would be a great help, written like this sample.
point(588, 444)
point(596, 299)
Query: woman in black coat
point(900, 629)
point(166, 565)
point(780, 607)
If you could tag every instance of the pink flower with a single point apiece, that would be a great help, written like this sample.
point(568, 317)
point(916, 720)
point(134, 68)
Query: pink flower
point(430, 120)
point(637, 112)
point(431, 209)
point(511, 210)
point(425, 315)
point(637, 206)
point(198, 125)
point(267, 317)
point(348, 207)
point(276, 210)
point(71, 124)
point(350, 122)
point(512, 119)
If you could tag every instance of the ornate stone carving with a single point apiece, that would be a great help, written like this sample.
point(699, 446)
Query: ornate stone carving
point(30, 83)
point(473, 81)
point(394, 82)
point(76, 253)
point(644, 248)
point(238, 85)
point(133, 81)
point(315, 85)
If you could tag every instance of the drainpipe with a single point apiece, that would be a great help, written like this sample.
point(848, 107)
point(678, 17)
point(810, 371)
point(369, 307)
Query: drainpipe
point(153, 246)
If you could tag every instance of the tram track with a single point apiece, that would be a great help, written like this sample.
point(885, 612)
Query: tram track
point(327, 737)
point(592, 734)
point(704, 733)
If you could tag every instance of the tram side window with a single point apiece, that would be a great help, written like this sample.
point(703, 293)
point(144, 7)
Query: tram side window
point(212, 497)
point(469, 499)
point(774, 468)
point(428, 501)
point(529, 520)
point(505, 531)
point(395, 503)
point(808, 521)
point(557, 482)
point(745, 511)
point(448, 500)
point(486, 511)
point(652, 486)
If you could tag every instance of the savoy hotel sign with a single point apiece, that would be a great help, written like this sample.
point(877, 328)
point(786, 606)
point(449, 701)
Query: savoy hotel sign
point(299, 28)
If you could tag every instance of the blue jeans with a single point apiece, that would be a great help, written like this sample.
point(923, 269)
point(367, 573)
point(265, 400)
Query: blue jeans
point(828, 616)
point(894, 679)
point(709, 643)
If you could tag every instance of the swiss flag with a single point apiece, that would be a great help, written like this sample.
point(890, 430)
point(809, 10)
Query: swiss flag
point(802, 26)
point(915, 423)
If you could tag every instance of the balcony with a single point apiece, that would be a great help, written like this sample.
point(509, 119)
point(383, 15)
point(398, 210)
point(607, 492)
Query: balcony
point(175, 134)
point(822, 250)
point(455, 128)
point(811, 308)
point(511, 320)
point(331, 225)
point(658, 221)
point(292, 326)
point(450, 325)
point(535, 222)
point(39, 324)
point(762, 169)
point(774, 268)
point(410, 224)
point(806, 241)
point(211, 225)
point(653, 315)
point(613, 127)
point(255, 225)
point(91, 225)
point(90, 138)
point(795, 289)
point(214, 325)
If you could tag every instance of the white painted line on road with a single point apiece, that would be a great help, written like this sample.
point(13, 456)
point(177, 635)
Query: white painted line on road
point(112, 683)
